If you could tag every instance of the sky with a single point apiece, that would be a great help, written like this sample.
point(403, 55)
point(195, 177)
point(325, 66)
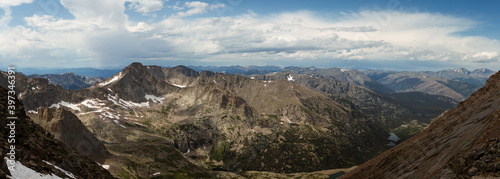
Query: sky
point(364, 34)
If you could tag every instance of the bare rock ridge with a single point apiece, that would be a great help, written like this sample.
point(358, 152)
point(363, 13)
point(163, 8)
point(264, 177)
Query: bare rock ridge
point(66, 126)
point(461, 143)
point(39, 151)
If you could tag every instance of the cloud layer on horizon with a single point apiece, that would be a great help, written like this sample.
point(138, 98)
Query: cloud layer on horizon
point(101, 34)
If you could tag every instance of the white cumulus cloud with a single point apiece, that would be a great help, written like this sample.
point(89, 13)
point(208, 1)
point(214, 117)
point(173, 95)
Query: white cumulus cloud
point(146, 6)
point(197, 7)
point(10, 3)
point(102, 34)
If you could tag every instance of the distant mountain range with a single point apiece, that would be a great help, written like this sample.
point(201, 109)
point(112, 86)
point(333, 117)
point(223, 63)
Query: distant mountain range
point(457, 83)
point(241, 70)
point(454, 83)
point(69, 80)
point(87, 72)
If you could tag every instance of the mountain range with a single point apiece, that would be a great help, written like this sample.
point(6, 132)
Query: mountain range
point(454, 83)
point(457, 84)
point(195, 121)
point(151, 121)
point(69, 80)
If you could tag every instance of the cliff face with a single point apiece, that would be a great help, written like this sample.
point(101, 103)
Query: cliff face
point(39, 151)
point(461, 143)
point(65, 126)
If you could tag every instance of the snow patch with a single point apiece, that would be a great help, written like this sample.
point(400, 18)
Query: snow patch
point(180, 86)
point(344, 70)
point(140, 124)
point(290, 77)
point(69, 174)
point(157, 173)
point(103, 166)
point(154, 98)
point(92, 103)
point(22, 171)
point(100, 110)
point(64, 103)
point(116, 77)
point(132, 104)
point(107, 114)
point(253, 78)
point(127, 104)
point(118, 122)
point(110, 90)
point(32, 112)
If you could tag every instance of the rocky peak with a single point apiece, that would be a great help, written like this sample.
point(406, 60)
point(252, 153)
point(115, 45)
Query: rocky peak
point(135, 67)
point(459, 70)
point(483, 72)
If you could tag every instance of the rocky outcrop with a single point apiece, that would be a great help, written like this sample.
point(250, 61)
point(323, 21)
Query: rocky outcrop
point(66, 127)
point(461, 143)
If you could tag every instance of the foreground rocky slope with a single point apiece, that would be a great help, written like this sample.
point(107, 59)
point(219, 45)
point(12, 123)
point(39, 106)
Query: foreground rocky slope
point(66, 127)
point(39, 151)
point(461, 143)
